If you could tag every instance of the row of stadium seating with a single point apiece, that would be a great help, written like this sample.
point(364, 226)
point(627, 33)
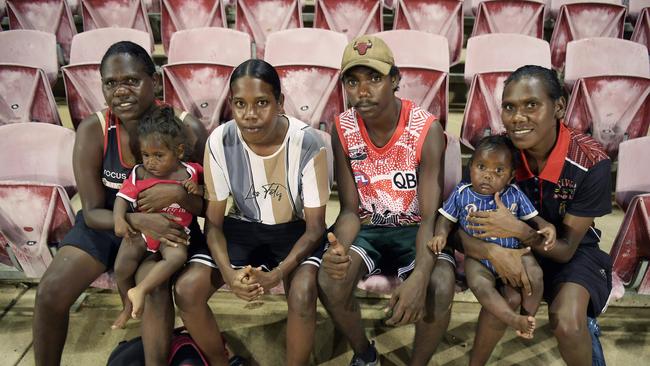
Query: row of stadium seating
point(574, 19)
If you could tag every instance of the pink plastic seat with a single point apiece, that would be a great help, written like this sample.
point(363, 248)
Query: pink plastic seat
point(35, 184)
point(635, 7)
point(308, 62)
point(51, 16)
point(82, 79)
point(31, 48)
point(584, 20)
point(351, 17)
point(259, 18)
point(641, 32)
point(487, 69)
point(510, 16)
point(423, 62)
point(178, 15)
point(632, 243)
point(602, 56)
point(630, 180)
point(115, 13)
point(443, 17)
point(196, 78)
point(453, 171)
point(3, 9)
point(555, 5)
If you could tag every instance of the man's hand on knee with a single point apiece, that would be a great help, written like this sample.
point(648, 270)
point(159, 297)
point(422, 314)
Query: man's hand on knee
point(406, 306)
point(336, 260)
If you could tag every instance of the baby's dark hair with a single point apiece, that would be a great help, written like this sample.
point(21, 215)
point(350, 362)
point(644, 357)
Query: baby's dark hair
point(162, 122)
point(497, 142)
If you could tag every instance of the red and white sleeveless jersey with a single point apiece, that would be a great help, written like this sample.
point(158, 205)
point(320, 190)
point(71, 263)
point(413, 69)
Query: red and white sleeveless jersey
point(386, 177)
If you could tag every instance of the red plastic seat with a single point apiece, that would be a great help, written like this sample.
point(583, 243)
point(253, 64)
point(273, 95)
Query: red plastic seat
point(51, 16)
point(351, 17)
point(35, 184)
point(510, 16)
point(584, 20)
point(196, 78)
point(630, 180)
point(602, 56)
point(425, 75)
point(632, 243)
point(309, 57)
point(635, 7)
point(641, 33)
point(555, 5)
point(259, 18)
point(443, 17)
point(82, 79)
point(179, 15)
point(31, 48)
point(487, 69)
point(115, 13)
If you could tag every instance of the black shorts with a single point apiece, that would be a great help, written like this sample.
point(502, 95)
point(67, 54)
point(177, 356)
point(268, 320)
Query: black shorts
point(103, 245)
point(590, 268)
point(258, 245)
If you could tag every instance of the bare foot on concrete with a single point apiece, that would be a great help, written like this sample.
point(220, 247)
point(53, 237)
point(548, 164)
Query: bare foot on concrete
point(136, 296)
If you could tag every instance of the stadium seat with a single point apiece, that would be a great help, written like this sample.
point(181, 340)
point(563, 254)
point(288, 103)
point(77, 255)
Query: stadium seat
point(510, 16)
point(382, 284)
point(35, 183)
point(3, 9)
point(555, 5)
point(635, 7)
point(630, 180)
point(178, 15)
point(26, 92)
point(308, 62)
point(632, 244)
point(259, 18)
point(351, 17)
point(423, 63)
point(152, 6)
point(196, 78)
point(115, 13)
point(611, 99)
point(487, 68)
point(641, 33)
point(584, 20)
point(83, 84)
point(51, 16)
point(602, 56)
point(443, 17)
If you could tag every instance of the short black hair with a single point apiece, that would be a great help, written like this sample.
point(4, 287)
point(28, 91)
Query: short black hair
point(495, 142)
point(132, 49)
point(549, 77)
point(163, 123)
point(258, 69)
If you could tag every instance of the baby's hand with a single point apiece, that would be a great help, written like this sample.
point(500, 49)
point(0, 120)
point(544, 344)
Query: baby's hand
point(123, 229)
point(437, 243)
point(192, 188)
point(549, 234)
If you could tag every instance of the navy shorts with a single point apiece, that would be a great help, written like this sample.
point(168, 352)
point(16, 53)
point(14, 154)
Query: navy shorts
point(590, 268)
point(103, 245)
point(257, 245)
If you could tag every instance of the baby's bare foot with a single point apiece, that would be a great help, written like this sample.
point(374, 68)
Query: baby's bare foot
point(136, 296)
point(123, 318)
point(525, 326)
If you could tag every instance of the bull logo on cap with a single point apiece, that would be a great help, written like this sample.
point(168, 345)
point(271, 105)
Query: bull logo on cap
point(362, 47)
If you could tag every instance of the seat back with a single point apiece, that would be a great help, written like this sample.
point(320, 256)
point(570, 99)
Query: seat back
point(485, 53)
point(634, 8)
point(51, 16)
point(610, 108)
point(177, 15)
point(510, 16)
point(641, 33)
point(115, 13)
point(30, 98)
point(196, 78)
point(259, 18)
point(351, 17)
point(443, 17)
point(82, 79)
point(423, 63)
point(555, 5)
point(630, 180)
point(584, 20)
point(309, 57)
point(602, 56)
point(632, 242)
point(31, 48)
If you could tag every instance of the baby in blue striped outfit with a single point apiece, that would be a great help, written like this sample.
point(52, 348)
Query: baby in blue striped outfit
point(492, 170)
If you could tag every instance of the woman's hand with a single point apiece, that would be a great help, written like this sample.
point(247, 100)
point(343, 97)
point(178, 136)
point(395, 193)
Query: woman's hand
point(500, 223)
point(160, 226)
point(155, 198)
